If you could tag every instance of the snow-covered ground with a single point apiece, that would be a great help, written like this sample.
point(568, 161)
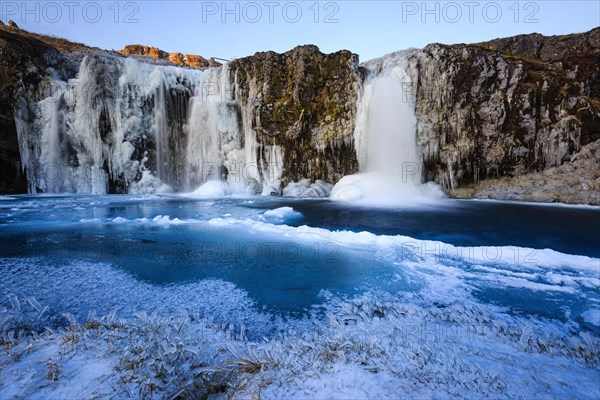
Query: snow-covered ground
point(414, 318)
point(368, 347)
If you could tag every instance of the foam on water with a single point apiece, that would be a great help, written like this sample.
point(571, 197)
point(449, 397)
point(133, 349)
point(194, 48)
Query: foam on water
point(377, 189)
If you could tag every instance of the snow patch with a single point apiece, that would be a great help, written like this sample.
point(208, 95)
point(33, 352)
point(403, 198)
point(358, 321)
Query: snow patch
point(305, 189)
point(211, 189)
point(592, 317)
point(280, 215)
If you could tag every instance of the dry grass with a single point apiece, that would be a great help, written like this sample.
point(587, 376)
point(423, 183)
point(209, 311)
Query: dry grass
point(58, 43)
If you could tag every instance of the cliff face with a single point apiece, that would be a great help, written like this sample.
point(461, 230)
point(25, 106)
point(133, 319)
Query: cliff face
point(546, 48)
point(489, 115)
point(95, 122)
point(184, 60)
point(504, 108)
point(492, 110)
point(574, 182)
point(303, 101)
point(22, 62)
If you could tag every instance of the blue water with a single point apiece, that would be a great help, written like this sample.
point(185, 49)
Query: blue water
point(287, 274)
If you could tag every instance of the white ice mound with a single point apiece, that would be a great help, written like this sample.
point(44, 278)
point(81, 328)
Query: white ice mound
point(211, 189)
point(377, 189)
point(149, 184)
point(280, 215)
point(592, 317)
point(304, 188)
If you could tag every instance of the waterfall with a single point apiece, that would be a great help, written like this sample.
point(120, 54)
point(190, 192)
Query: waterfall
point(390, 128)
point(386, 143)
point(213, 129)
point(121, 126)
point(161, 127)
point(52, 154)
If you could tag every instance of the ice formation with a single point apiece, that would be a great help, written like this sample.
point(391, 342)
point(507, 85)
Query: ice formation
point(121, 125)
point(124, 126)
point(305, 188)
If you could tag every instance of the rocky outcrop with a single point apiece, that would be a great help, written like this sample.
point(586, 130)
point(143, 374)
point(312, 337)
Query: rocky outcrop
point(22, 62)
point(138, 49)
point(184, 60)
point(534, 46)
point(494, 110)
point(305, 102)
point(575, 182)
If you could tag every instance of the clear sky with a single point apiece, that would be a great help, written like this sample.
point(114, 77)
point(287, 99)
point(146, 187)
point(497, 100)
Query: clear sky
point(230, 29)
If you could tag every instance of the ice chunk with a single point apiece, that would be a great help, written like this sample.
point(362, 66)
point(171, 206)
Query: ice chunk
point(211, 189)
point(280, 215)
point(304, 188)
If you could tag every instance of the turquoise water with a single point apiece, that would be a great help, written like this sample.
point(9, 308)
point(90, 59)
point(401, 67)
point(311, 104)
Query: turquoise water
point(239, 261)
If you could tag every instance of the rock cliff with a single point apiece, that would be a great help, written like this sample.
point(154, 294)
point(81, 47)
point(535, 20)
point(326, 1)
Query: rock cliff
point(305, 102)
point(184, 60)
point(492, 118)
point(23, 59)
point(507, 108)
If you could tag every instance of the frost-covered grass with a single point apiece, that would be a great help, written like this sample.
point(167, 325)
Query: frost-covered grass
point(373, 346)
point(474, 322)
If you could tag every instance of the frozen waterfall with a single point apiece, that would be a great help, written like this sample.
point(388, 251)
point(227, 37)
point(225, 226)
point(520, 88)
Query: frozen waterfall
point(116, 125)
point(121, 126)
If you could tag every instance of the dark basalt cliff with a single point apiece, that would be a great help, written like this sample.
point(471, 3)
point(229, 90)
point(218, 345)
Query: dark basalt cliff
point(498, 109)
point(501, 110)
point(305, 102)
point(22, 61)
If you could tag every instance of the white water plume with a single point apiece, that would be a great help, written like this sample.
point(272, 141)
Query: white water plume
point(386, 145)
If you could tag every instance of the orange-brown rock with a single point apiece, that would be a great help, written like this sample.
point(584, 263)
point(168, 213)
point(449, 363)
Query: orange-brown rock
point(198, 61)
point(186, 60)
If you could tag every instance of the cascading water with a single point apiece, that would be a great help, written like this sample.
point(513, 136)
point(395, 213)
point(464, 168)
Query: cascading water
point(161, 126)
point(213, 129)
point(386, 144)
point(391, 142)
point(53, 152)
point(119, 126)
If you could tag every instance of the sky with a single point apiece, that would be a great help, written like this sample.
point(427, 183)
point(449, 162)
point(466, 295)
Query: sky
point(232, 29)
